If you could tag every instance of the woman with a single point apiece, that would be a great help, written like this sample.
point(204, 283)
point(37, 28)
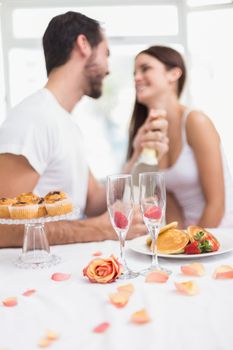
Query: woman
point(197, 179)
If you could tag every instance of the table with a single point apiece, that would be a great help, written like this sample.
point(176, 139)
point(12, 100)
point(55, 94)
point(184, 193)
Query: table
point(74, 307)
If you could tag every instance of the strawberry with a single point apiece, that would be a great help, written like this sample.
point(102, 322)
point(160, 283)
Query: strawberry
point(213, 242)
point(205, 245)
point(193, 248)
point(120, 220)
point(153, 212)
point(207, 242)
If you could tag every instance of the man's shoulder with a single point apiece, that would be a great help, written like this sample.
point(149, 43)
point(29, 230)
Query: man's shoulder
point(35, 102)
point(37, 110)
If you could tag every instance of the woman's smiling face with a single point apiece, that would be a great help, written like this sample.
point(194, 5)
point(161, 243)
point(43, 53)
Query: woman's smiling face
point(151, 78)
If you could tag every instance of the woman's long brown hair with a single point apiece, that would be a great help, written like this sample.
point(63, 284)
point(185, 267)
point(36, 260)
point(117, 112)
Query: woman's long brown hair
point(171, 59)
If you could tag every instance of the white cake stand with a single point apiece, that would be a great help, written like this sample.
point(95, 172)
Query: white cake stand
point(36, 251)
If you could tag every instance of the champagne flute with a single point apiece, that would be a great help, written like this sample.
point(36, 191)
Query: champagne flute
point(120, 207)
point(152, 197)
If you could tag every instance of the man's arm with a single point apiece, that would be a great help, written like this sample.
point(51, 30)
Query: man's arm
point(16, 175)
point(63, 232)
point(23, 178)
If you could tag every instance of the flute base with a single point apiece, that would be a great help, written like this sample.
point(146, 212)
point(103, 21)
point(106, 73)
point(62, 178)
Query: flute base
point(145, 272)
point(128, 274)
point(35, 260)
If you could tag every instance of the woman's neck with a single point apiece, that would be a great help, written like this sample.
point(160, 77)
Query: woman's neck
point(172, 106)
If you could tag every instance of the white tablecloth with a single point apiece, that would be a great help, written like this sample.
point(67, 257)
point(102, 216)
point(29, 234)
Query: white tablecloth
point(73, 308)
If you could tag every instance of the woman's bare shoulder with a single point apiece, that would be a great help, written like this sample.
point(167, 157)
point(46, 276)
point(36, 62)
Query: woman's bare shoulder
point(198, 126)
point(195, 117)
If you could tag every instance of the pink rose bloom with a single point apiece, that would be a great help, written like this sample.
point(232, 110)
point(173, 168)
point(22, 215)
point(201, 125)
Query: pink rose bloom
point(103, 270)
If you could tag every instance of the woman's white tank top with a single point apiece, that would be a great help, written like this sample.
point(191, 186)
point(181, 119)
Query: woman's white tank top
point(182, 179)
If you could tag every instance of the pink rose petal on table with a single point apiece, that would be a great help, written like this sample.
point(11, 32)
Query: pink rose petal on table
point(44, 343)
point(126, 288)
point(10, 302)
point(193, 269)
point(29, 292)
point(140, 317)
point(101, 328)
point(50, 335)
point(97, 253)
point(187, 288)
point(223, 272)
point(119, 299)
point(59, 276)
point(48, 339)
point(157, 277)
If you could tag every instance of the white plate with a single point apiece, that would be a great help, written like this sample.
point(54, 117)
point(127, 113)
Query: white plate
point(224, 236)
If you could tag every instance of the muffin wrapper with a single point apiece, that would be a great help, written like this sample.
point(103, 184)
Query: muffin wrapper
point(24, 212)
point(59, 208)
point(4, 212)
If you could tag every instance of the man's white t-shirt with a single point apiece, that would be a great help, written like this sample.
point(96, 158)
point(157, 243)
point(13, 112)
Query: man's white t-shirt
point(43, 132)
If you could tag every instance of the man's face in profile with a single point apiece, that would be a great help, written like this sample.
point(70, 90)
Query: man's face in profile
point(96, 69)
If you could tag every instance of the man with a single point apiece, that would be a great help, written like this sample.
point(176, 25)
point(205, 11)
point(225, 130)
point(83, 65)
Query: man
point(41, 149)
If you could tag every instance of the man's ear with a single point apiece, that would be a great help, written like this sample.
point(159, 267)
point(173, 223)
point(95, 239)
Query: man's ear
point(175, 74)
point(83, 45)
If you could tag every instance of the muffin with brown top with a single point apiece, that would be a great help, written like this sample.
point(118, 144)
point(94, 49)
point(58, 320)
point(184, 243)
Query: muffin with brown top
point(28, 197)
point(58, 203)
point(5, 204)
point(24, 210)
point(31, 197)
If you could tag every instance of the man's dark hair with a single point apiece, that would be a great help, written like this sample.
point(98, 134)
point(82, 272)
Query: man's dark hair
point(61, 33)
